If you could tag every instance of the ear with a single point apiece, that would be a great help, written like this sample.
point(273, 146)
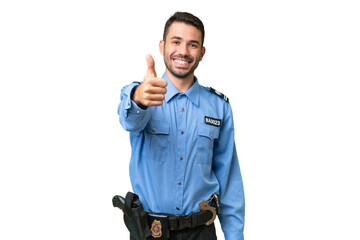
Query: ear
point(203, 50)
point(161, 47)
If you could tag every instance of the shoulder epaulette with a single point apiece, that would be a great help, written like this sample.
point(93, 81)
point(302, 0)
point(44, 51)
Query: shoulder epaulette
point(219, 94)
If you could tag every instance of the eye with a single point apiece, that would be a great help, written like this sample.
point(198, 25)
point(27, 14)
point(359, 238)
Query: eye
point(176, 42)
point(193, 45)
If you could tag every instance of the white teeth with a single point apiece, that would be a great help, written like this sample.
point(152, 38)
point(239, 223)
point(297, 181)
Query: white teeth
point(181, 62)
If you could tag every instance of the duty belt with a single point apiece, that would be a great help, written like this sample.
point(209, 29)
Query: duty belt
point(207, 214)
point(143, 224)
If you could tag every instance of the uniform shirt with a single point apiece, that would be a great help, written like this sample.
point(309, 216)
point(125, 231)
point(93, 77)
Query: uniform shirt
point(184, 151)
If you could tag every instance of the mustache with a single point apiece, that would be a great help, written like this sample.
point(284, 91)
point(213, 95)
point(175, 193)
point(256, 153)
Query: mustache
point(183, 57)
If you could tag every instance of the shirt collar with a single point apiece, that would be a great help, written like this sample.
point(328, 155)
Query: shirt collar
point(192, 93)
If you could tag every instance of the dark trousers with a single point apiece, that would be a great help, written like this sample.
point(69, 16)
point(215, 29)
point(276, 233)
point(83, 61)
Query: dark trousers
point(199, 233)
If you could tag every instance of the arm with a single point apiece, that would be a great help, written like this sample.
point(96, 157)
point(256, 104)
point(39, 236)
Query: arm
point(227, 170)
point(136, 98)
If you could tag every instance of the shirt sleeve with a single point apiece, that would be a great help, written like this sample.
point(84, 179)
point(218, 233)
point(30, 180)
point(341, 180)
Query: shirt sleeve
point(227, 170)
point(131, 116)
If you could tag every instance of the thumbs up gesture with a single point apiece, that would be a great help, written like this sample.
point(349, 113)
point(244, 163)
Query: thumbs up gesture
point(152, 91)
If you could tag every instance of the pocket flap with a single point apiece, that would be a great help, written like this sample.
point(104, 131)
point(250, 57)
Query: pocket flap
point(208, 131)
point(157, 127)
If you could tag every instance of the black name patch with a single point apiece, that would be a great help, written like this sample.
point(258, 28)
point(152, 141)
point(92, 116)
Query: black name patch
point(213, 121)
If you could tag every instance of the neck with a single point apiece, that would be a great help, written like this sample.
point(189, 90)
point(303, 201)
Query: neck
point(181, 84)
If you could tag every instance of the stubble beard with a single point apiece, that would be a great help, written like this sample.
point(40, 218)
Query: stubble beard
point(181, 75)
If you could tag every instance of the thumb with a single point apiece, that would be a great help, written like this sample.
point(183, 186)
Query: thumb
point(151, 66)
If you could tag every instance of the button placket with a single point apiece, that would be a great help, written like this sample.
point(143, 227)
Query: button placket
point(180, 150)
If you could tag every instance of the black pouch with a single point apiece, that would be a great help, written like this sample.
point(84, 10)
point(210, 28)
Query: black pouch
point(135, 217)
point(159, 227)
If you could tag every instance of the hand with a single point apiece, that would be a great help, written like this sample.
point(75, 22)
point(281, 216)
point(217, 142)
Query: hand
point(152, 91)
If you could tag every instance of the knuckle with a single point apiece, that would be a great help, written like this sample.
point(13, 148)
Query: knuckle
point(147, 80)
point(146, 88)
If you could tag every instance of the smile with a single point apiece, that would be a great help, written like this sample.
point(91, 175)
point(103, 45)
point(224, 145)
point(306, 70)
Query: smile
point(181, 63)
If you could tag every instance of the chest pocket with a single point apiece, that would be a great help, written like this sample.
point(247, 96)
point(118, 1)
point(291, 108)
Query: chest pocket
point(207, 134)
point(156, 140)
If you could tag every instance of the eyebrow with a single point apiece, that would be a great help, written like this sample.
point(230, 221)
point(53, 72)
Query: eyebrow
point(179, 38)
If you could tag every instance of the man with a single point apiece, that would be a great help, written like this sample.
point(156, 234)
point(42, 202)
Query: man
point(182, 140)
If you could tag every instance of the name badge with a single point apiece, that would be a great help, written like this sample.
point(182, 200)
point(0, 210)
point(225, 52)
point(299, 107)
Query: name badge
point(213, 121)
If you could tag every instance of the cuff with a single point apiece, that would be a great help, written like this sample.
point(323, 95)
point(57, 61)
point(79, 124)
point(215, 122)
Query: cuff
point(133, 108)
point(234, 235)
point(129, 93)
point(131, 116)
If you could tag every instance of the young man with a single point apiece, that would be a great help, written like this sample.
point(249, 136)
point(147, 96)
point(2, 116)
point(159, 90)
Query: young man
point(182, 140)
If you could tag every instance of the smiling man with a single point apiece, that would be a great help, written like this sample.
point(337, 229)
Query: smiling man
point(184, 165)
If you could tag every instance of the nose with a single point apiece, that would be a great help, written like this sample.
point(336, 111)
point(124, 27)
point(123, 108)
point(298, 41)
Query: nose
point(183, 50)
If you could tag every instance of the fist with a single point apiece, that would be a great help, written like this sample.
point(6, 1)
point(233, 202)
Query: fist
point(152, 91)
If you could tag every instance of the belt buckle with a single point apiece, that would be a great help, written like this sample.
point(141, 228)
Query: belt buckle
point(185, 221)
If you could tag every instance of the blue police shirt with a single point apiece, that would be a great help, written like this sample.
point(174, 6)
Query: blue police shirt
point(184, 151)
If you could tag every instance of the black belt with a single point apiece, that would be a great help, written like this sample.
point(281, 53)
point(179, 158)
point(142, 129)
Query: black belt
point(178, 222)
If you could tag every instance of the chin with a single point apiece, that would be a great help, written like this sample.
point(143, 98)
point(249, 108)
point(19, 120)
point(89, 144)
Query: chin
point(181, 74)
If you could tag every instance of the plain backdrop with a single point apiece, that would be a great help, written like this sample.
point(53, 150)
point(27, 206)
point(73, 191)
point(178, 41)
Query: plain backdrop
point(289, 68)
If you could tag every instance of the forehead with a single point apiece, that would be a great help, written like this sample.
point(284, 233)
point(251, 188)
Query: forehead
point(184, 31)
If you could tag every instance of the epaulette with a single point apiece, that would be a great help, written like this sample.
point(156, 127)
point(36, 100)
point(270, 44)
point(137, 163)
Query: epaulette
point(219, 94)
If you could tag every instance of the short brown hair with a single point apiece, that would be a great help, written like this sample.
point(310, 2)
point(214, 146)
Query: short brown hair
point(187, 18)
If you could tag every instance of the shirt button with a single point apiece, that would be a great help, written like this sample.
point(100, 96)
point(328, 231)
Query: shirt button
point(182, 109)
point(177, 208)
point(137, 112)
point(212, 135)
point(182, 132)
point(154, 129)
point(179, 183)
point(181, 158)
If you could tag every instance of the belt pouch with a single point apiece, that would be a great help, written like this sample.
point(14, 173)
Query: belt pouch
point(159, 227)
